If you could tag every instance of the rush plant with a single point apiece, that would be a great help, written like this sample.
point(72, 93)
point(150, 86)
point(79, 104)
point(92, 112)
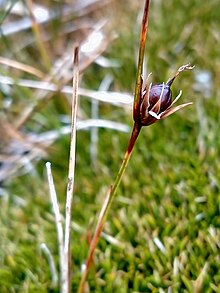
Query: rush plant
point(152, 102)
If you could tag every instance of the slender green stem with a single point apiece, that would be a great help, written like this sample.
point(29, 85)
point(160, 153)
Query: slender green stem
point(107, 205)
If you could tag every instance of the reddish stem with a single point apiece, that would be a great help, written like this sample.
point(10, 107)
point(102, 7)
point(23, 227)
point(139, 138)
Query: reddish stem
point(107, 204)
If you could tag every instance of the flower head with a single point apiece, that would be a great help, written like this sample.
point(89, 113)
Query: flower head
point(156, 100)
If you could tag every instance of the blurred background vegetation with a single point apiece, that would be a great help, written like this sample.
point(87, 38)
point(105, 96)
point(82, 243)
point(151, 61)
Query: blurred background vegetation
point(163, 232)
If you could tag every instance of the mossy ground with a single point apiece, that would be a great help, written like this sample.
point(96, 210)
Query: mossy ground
point(166, 217)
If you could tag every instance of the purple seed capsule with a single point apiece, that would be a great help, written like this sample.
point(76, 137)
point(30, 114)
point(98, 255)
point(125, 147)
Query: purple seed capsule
point(155, 93)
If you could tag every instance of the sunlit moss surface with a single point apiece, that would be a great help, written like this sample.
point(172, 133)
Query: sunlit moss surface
point(166, 217)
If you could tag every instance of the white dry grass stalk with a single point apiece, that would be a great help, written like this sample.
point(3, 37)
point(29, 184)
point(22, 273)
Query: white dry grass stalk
point(58, 218)
point(64, 238)
point(70, 184)
point(52, 266)
point(113, 98)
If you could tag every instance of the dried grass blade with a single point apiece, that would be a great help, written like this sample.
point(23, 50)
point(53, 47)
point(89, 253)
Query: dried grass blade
point(58, 217)
point(71, 173)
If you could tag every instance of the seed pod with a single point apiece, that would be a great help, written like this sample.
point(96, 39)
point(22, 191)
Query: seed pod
point(155, 93)
point(156, 100)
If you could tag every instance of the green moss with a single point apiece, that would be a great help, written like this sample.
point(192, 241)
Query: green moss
point(170, 191)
